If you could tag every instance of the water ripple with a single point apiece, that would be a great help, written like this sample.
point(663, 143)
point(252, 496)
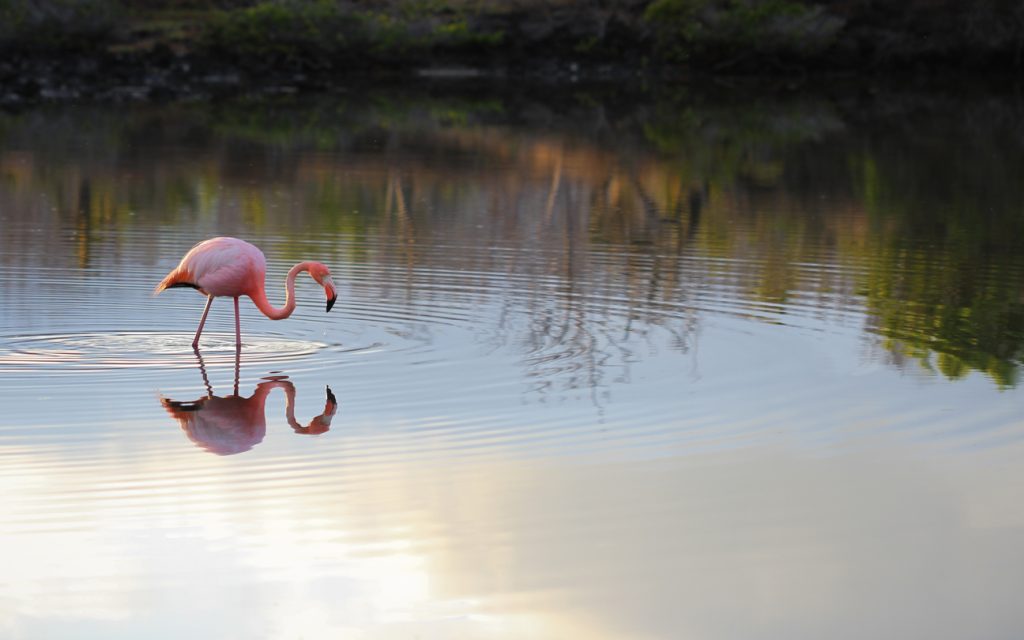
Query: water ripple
point(73, 353)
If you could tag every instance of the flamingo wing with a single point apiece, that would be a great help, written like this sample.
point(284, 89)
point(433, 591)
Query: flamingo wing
point(219, 267)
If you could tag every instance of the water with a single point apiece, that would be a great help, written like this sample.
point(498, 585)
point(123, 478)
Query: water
point(661, 366)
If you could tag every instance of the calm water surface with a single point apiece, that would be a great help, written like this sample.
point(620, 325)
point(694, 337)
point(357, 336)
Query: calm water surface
point(673, 367)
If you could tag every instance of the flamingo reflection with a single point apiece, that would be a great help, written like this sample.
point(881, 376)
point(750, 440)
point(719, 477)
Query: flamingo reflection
point(226, 425)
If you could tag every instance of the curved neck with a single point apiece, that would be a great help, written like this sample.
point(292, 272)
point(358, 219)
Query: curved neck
point(260, 297)
point(263, 390)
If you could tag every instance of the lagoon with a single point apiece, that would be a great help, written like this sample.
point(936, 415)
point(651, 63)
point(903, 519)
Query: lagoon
point(718, 364)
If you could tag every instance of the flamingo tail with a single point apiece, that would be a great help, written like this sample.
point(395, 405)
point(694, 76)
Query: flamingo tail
point(176, 278)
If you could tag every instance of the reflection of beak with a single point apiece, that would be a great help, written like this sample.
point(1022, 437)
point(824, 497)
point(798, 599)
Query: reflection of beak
point(330, 408)
point(332, 293)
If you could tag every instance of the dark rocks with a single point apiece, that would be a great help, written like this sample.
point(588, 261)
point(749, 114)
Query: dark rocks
point(142, 77)
point(111, 77)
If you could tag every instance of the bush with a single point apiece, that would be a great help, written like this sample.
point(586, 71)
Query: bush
point(61, 24)
point(728, 29)
point(323, 32)
point(288, 30)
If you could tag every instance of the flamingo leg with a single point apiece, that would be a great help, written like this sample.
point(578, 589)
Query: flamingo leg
point(202, 321)
point(238, 364)
point(202, 370)
point(238, 326)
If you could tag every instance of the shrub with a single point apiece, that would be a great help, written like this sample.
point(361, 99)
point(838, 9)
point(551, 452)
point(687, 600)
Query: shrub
point(321, 32)
point(295, 30)
point(726, 29)
point(63, 24)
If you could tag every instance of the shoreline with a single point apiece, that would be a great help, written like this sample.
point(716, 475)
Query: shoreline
point(232, 47)
point(161, 75)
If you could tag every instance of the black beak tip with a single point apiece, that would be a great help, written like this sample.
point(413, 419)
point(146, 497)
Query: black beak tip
point(330, 302)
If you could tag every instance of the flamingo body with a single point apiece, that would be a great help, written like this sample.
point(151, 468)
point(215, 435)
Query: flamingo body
point(220, 267)
point(229, 267)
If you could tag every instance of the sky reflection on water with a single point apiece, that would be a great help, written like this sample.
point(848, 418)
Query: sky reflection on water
point(598, 369)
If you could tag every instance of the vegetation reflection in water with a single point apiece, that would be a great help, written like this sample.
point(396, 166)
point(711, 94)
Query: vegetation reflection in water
point(595, 250)
point(908, 215)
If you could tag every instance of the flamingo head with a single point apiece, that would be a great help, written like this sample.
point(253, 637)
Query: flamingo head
point(322, 275)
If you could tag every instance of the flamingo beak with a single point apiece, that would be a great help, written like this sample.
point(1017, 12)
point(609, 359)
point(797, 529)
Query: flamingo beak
point(332, 293)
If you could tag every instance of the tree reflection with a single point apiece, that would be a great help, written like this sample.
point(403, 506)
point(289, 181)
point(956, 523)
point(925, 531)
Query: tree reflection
point(608, 217)
point(226, 425)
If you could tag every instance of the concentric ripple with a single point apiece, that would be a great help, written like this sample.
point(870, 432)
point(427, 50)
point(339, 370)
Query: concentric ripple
point(71, 353)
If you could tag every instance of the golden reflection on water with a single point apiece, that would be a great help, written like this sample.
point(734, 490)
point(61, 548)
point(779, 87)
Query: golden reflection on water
point(776, 543)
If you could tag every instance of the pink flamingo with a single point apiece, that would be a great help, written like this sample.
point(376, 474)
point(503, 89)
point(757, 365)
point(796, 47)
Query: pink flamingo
point(232, 267)
point(226, 425)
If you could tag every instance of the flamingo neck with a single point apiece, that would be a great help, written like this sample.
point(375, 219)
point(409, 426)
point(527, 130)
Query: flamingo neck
point(261, 302)
point(263, 390)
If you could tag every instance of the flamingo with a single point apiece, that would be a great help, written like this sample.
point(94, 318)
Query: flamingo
point(226, 425)
point(230, 267)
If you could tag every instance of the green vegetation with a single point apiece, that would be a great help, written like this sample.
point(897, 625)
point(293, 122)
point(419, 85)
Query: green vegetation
point(715, 36)
point(316, 32)
point(730, 30)
point(324, 32)
point(57, 24)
